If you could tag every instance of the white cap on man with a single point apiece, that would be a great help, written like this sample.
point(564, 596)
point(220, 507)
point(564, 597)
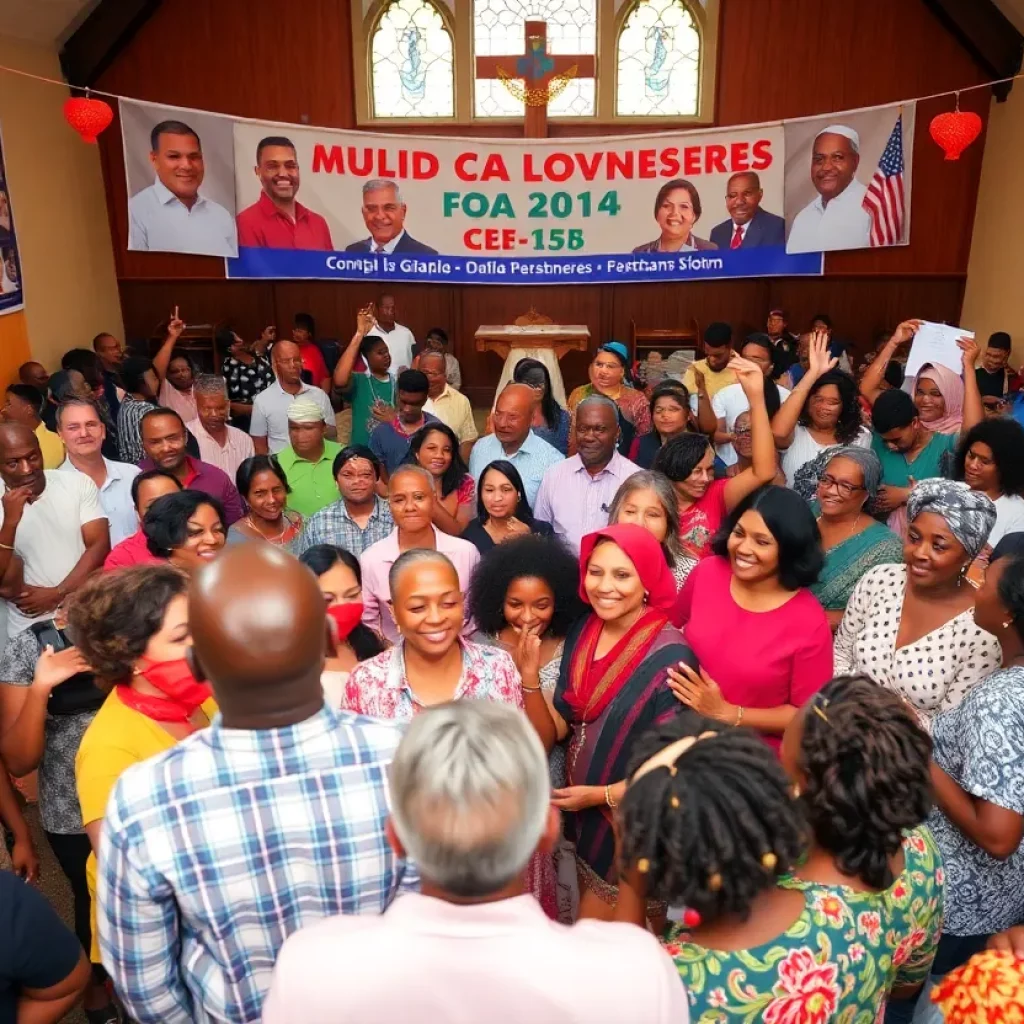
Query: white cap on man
point(843, 130)
point(305, 410)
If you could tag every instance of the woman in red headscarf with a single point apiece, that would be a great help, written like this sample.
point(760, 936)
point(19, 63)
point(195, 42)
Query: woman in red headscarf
point(612, 687)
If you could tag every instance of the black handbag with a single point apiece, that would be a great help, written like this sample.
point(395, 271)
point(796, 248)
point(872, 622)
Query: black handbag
point(77, 695)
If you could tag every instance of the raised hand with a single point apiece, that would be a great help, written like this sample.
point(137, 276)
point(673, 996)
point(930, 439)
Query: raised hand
point(971, 351)
point(176, 325)
point(365, 320)
point(819, 361)
point(904, 332)
point(749, 374)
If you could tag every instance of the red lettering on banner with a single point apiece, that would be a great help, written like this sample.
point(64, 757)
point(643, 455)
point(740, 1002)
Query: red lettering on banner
point(495, 168)
point(493, 238)
point(691, 160)
point(461, 171)
point(669, 163)
point(363, 162)
point(329, 160)
point(559, 167)
point(424, 166)
point(620, 164)
point(739, 160)
point(529, 174)
point(714, 159)
point(589, 165)
point(647, 168)
point(762, 155)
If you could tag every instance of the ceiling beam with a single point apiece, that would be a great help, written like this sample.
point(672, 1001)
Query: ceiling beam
point(987, 35)
point(96, 43)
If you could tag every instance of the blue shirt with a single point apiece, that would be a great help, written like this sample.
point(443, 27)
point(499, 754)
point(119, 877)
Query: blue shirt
point(158, 221)
point(334, 525)
point(535, 455)
point(217, 850)
point(391, 445)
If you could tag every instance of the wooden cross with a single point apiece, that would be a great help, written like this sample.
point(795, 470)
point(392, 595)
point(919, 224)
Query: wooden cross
point(536, 67)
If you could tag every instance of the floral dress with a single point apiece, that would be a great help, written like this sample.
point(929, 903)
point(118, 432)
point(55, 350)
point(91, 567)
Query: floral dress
point(836, 963)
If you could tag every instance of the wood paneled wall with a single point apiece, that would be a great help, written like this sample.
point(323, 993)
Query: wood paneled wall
point(777, 59)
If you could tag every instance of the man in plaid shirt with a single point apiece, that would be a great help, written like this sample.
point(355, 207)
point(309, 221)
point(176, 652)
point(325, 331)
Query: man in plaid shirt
point(215, 852)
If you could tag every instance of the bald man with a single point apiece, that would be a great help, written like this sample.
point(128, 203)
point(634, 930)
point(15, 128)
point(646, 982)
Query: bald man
point(271, 819)
point(53, 522)
point(514, 441)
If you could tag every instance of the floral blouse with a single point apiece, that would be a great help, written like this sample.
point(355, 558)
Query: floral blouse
point(377, 687)
point(836, 963)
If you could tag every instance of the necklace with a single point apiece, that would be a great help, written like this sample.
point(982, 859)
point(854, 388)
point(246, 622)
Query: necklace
point(387, 396)
point(853, 529)
point(273, 540)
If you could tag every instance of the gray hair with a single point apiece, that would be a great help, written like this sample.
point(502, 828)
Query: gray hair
point(413, 467)
point(210, 384)
point(602, 401)
point(470, 793)
point(437, 355)
point(410, 559)
point(870, 466)
point(68, 403)
point(651, 480)
point(376, 184)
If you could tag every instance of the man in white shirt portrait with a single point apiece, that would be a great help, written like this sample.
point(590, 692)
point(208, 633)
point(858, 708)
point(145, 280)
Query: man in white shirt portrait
point(170, 215)
point(398, 338)
point(384, 213)
point(836, 218)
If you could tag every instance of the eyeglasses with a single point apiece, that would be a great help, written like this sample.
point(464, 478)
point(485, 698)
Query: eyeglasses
point(742, 433)
point(844, 487)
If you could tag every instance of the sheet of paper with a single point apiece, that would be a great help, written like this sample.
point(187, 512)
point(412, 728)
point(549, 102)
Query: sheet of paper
point(936, 343)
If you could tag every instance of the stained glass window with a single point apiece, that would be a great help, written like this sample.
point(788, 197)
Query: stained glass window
point(657, 61)
point(498, 31)
point(412, 67)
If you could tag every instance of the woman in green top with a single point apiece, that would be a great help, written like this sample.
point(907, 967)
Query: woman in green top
point(852, 540)
point(371, 394)
point(710, 823)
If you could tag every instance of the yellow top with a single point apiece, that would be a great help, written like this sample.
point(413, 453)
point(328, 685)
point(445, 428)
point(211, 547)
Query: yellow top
point(117, 738)
point(51, 446)
point(714, 380)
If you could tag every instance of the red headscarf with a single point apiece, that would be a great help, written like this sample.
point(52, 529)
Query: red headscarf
point(646, 555)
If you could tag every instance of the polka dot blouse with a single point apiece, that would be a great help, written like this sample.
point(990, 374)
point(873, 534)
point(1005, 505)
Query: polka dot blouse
point(935, 672)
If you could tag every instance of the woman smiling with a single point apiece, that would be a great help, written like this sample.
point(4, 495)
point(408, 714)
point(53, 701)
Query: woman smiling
point(186, 528)
point(436, 448)
point(676, 211)
point(262, 483)
point(503, 513)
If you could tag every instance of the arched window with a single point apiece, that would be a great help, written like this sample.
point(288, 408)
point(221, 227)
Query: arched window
point(658, 61)
point(498, 31)
point(412, 68)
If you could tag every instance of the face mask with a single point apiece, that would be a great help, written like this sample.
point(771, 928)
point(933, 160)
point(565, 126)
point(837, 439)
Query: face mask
point(346, 617)
point(175, 681)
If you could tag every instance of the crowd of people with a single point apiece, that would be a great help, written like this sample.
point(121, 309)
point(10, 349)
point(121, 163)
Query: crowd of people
point(718, 681)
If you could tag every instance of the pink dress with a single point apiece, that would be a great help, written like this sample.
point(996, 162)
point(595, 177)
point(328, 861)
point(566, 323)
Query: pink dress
point(758, 659)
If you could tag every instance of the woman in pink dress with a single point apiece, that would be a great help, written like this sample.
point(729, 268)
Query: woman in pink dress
point(761, 638)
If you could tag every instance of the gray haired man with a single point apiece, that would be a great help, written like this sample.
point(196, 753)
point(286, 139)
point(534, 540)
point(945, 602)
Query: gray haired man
point(470, 803)
point(384, 213)
point(220, 444)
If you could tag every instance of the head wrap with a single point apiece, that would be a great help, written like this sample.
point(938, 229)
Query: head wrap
point(845, 131)
point(305, 410)
point(951, 387)
point(646, 555)
point(866, 459)
point(617, 349)
point(969, 514)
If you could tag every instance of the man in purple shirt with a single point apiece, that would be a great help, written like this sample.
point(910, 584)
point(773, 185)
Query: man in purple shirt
point(163, 440)
point(576, 495)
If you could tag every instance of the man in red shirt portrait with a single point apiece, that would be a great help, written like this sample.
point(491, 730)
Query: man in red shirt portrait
point(276, 220)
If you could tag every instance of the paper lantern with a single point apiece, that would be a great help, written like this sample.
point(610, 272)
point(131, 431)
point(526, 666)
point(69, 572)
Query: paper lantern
point(955, 130)
point(87, 116)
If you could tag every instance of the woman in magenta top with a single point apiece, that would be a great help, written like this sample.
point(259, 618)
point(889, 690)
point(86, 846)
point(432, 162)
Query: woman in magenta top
point(761, 638)
point(688, 460)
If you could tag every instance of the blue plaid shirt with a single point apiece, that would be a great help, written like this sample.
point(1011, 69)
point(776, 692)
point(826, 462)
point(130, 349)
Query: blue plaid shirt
point(214, 852)
point(333, 525)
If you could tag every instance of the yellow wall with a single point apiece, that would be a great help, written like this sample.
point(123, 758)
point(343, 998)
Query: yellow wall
point(60, 214)
point(992, 301)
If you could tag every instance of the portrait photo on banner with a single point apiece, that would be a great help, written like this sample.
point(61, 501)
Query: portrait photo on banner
point(848, 179)
point(11, 287)
point(179, 166)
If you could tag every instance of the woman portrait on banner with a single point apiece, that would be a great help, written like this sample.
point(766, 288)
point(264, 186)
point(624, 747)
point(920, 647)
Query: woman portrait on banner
point(676, 211)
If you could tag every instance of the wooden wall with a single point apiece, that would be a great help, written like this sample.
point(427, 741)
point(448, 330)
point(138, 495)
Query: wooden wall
point(777, 59)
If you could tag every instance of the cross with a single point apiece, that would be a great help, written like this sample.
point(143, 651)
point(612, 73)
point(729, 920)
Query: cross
point(536, 67)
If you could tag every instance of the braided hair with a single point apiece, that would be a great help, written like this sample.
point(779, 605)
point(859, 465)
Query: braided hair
point(718, 830)
point(865, 765)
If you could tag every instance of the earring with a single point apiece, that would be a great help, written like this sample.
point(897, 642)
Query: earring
point(963, 574)
point(795, 791)
point(1008, 623)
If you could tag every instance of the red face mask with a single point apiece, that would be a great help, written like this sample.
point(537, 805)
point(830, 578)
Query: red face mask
point(346, 617)
point(174, 679)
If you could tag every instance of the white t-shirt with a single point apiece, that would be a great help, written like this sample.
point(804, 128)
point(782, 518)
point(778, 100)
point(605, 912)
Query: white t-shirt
point(804, 448)
point(731, 402)
point(400, 341)
point(49, 537)
point(842, 224)
point(1009, 518)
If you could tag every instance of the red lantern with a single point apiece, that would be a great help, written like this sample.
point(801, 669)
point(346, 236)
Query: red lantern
point(87, 116)
point(955, 130)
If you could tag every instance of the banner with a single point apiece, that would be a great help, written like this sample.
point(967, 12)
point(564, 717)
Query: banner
point(288, 201)
point(11, 291)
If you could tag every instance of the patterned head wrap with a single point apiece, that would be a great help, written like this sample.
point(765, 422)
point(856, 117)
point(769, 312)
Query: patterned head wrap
point(969, 514)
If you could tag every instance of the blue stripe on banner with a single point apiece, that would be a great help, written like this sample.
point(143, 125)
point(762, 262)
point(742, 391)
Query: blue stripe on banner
point(767, 261)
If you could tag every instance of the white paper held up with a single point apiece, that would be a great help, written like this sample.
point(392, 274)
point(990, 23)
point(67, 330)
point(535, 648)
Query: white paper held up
point(936, 343)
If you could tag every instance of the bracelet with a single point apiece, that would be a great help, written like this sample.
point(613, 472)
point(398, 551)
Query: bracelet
point(7, 547)
point(739, 715)
point(530, 689)
point(608, 797)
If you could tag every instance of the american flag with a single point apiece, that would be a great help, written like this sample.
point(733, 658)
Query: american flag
point(885, 199)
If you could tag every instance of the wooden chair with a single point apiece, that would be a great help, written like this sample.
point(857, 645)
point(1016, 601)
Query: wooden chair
point(666, 340)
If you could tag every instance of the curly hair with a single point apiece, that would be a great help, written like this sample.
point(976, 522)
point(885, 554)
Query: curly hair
point(849, 423)
point(457, 469)
point(529, 556)
point(114, 615)
point(1005, 437)
point(865, 763)
point(709, 829)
